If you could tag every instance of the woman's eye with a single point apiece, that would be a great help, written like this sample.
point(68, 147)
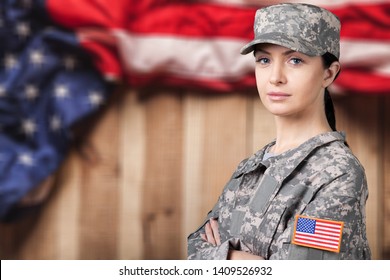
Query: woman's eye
point(296, 60)
point(262, 60)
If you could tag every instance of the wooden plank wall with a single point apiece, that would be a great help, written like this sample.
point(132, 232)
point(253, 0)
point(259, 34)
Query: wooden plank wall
point(384, 217)
point(152, 164)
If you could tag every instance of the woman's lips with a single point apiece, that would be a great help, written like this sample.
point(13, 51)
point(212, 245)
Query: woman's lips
point(278, 96)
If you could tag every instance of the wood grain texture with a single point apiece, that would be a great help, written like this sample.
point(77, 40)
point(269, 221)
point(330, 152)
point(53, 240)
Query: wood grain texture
point(359, 117)
point(132, 161)
point(162, 189)
point(152, 164)
point(384, 151)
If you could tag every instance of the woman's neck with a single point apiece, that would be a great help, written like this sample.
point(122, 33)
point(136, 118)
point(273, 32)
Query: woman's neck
point(290, 132)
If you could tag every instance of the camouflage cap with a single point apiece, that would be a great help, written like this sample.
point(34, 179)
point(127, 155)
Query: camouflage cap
point(305, 28)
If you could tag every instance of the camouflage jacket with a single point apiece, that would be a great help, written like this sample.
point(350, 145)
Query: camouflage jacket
point(256, 210)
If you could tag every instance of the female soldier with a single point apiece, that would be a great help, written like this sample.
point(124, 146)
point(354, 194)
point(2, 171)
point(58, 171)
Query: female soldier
point(303, 195)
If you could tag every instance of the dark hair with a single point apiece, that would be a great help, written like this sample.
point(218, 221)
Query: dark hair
point(328, 59)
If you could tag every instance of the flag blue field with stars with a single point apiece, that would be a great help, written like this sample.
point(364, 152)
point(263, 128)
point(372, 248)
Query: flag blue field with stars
point(47, 84)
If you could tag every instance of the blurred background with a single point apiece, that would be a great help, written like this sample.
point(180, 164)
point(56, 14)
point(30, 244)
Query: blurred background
point(121, 122)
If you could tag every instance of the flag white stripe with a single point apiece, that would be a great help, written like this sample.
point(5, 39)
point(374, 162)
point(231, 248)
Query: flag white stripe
point(327, 225)
point(322, 3)
point(328, 228)
point(190, 57)
point(372, 54)
point(317, 243)
point(324, 232)
point(320, 236)
point(220, 57)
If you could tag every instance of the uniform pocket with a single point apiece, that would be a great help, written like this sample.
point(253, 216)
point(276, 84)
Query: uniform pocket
point(295, 252)
point(262, 197)
point(236, 223)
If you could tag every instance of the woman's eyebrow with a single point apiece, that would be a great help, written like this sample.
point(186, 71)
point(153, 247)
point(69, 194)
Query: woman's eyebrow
point(284, 53)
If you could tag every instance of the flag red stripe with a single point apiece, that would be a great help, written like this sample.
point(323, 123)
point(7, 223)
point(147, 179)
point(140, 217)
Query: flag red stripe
point(334, 247)
point(316, 237)
point(216, 85)
point(328, 224)
point(327, 233)
point(363, 81)
point(326, 236)
point(329, 4)
point(358, 21)
point(369, 21)
point(328, 229)
point(317, 242)
point(334, 226)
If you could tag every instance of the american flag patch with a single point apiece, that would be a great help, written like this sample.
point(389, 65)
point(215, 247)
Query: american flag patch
point(318, 233)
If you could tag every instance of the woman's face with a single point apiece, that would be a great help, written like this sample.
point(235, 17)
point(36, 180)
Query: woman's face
point(290, 83)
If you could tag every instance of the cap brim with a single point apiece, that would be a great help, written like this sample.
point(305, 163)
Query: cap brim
point(251, 46)
point(281, 40)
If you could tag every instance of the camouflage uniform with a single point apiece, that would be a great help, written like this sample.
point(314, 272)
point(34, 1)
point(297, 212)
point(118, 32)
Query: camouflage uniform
point(320, 179)
point(256, 211)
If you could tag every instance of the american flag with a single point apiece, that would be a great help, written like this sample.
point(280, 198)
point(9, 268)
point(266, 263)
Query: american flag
point(47, 84)
point(57, 63)
point(196, 43)
point(318, 233)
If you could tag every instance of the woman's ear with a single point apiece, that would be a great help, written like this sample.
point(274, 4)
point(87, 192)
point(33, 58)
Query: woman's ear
point(331, 73)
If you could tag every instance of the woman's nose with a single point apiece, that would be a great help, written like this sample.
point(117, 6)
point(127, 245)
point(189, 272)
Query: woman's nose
point(277, 75)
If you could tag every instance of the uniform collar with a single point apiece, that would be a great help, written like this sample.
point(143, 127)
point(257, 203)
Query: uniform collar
point(280, 166)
